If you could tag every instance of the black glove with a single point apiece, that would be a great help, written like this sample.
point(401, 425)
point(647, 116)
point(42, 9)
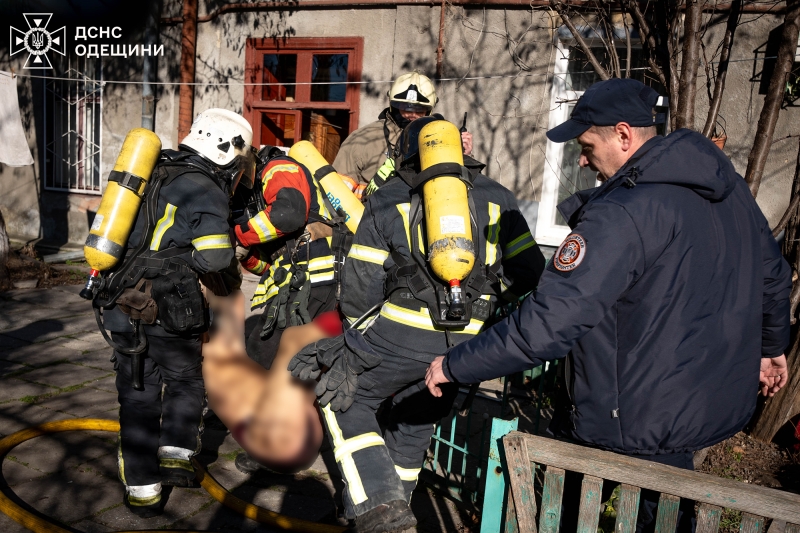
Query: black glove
point(298, 305)
point(276, 312)
point(338, 385)
point(305, 365)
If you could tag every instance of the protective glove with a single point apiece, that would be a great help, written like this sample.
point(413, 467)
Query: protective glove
point(298, 306)
point(276, 312)
point(305, 365)
point(338, 386)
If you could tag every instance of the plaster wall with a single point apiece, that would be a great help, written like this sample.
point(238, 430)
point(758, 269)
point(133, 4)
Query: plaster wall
point(508, 113)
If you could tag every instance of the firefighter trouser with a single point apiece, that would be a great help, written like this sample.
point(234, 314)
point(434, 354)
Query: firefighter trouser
point(378, 469)
point(321, 299)
point(147, 420)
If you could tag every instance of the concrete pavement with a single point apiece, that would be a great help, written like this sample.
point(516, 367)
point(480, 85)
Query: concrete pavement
point(54, 365)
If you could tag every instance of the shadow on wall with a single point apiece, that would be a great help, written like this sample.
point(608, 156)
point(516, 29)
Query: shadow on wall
point(504, 113)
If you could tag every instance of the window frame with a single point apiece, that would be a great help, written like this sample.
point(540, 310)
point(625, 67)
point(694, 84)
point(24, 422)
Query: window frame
point(254, 105)
point(547, 231)
point(88, 137)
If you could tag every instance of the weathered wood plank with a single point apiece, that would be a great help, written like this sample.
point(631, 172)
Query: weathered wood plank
point(751, 523)
point(519, 473)
point(511, 516)
point(708, 518)
point(792, 528)
point(628, 508)
point(667, 517)
point(589, 513)
point(683, 483)
point(553, 490)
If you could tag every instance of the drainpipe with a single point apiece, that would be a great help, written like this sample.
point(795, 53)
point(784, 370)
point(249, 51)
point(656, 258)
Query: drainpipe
point(188, 59)
point(150, 68)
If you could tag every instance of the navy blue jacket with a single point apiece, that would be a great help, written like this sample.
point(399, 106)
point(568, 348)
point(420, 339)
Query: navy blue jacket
point(671, 293)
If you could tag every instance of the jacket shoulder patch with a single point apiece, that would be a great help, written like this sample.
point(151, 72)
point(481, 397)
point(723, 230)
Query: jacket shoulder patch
point(570, 254)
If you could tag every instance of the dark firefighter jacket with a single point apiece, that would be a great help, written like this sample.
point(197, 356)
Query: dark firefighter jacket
point(192, 214)
point(666, 296)
point(404, 325)
point(292, 195)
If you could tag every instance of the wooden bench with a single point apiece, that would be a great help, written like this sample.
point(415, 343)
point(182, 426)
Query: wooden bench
point(524, 452)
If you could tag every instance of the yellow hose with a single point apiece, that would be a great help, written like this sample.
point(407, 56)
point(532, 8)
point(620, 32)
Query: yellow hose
point(34, 523)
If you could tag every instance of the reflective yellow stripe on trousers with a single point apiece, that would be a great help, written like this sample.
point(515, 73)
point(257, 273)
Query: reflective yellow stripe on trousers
point(407, 474)
point(343, 451)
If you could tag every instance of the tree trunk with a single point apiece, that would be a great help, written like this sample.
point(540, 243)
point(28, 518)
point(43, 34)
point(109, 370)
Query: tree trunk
point(690, 61)
point(5, 247)
point(188, 61)
point(774, 99)
point(722, 70)
point(786, 403)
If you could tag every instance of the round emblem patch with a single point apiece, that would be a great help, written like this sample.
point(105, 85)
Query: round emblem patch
point(570, 254)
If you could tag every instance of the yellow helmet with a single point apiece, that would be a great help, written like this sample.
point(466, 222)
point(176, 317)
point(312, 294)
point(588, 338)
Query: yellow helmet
point(412, 90)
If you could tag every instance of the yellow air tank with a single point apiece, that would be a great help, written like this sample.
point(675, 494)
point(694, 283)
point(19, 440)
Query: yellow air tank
point(447, 220)
point(113, 223)
point(338, 193)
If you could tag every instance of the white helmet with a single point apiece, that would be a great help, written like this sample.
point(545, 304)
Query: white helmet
point(412, 91)
point(224, 138)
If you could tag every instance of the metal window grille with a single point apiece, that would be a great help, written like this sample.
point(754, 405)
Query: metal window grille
point(73, 109)
point(463, 462)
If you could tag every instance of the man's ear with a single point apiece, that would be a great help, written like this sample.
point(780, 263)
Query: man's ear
point(624, 133)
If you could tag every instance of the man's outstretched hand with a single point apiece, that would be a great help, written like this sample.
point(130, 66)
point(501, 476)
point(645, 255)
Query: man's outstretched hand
point(435, 376)
point(774, 375)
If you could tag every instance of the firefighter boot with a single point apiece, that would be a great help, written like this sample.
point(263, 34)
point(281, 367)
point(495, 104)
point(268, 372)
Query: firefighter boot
point(175, 466)
point(392, 517)
point(144, 500)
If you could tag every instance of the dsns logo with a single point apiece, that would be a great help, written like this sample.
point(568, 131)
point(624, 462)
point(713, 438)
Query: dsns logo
point(37, 41)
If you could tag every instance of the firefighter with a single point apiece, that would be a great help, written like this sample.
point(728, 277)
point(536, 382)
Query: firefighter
point(418, 315)
point(290, 242)
point(181, 232)
point(367, 155)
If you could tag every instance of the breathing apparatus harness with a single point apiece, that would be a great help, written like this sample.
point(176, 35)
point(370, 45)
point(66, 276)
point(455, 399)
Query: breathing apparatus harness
point(414, 278)
point(290, 305)
point(171, 278)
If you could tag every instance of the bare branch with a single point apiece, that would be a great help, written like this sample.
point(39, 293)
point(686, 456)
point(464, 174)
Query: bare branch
point(609, 25)
point(561, 10)
point(787, 215)
point(669, 36)
point(690, 60)
point(774, 98)
point(627, 43)
point(648, 39)
point(722, 69)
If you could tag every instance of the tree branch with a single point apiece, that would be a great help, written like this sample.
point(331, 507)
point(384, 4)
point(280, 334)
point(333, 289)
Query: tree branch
point(774, 98)
point(627, 43)
point(690, 60)
point(560, 9)
point(787, 215)
point(722, 69)
point(648, 39)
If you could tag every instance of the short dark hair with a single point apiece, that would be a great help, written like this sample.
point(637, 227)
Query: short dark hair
point(641, 132)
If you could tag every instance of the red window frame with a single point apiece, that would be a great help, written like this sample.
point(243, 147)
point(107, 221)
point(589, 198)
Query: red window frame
point(305, 47)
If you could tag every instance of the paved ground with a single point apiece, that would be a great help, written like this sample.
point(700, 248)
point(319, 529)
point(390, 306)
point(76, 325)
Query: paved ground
point(54, 365)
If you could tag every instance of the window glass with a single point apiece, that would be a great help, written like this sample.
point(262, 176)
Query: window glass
point(279, 68)
point(278, 128)
point(572, 178)
point(581, 75)
point(327, 68)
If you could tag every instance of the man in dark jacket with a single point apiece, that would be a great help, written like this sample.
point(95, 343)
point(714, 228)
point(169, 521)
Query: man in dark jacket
point(665, 298)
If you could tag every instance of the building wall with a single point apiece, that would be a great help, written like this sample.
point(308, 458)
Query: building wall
point(508, 114)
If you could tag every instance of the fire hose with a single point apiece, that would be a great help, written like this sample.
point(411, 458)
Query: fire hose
point(33, 522)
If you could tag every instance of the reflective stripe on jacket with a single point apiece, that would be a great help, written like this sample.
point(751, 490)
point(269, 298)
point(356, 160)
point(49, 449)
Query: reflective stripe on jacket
point(403, 325)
